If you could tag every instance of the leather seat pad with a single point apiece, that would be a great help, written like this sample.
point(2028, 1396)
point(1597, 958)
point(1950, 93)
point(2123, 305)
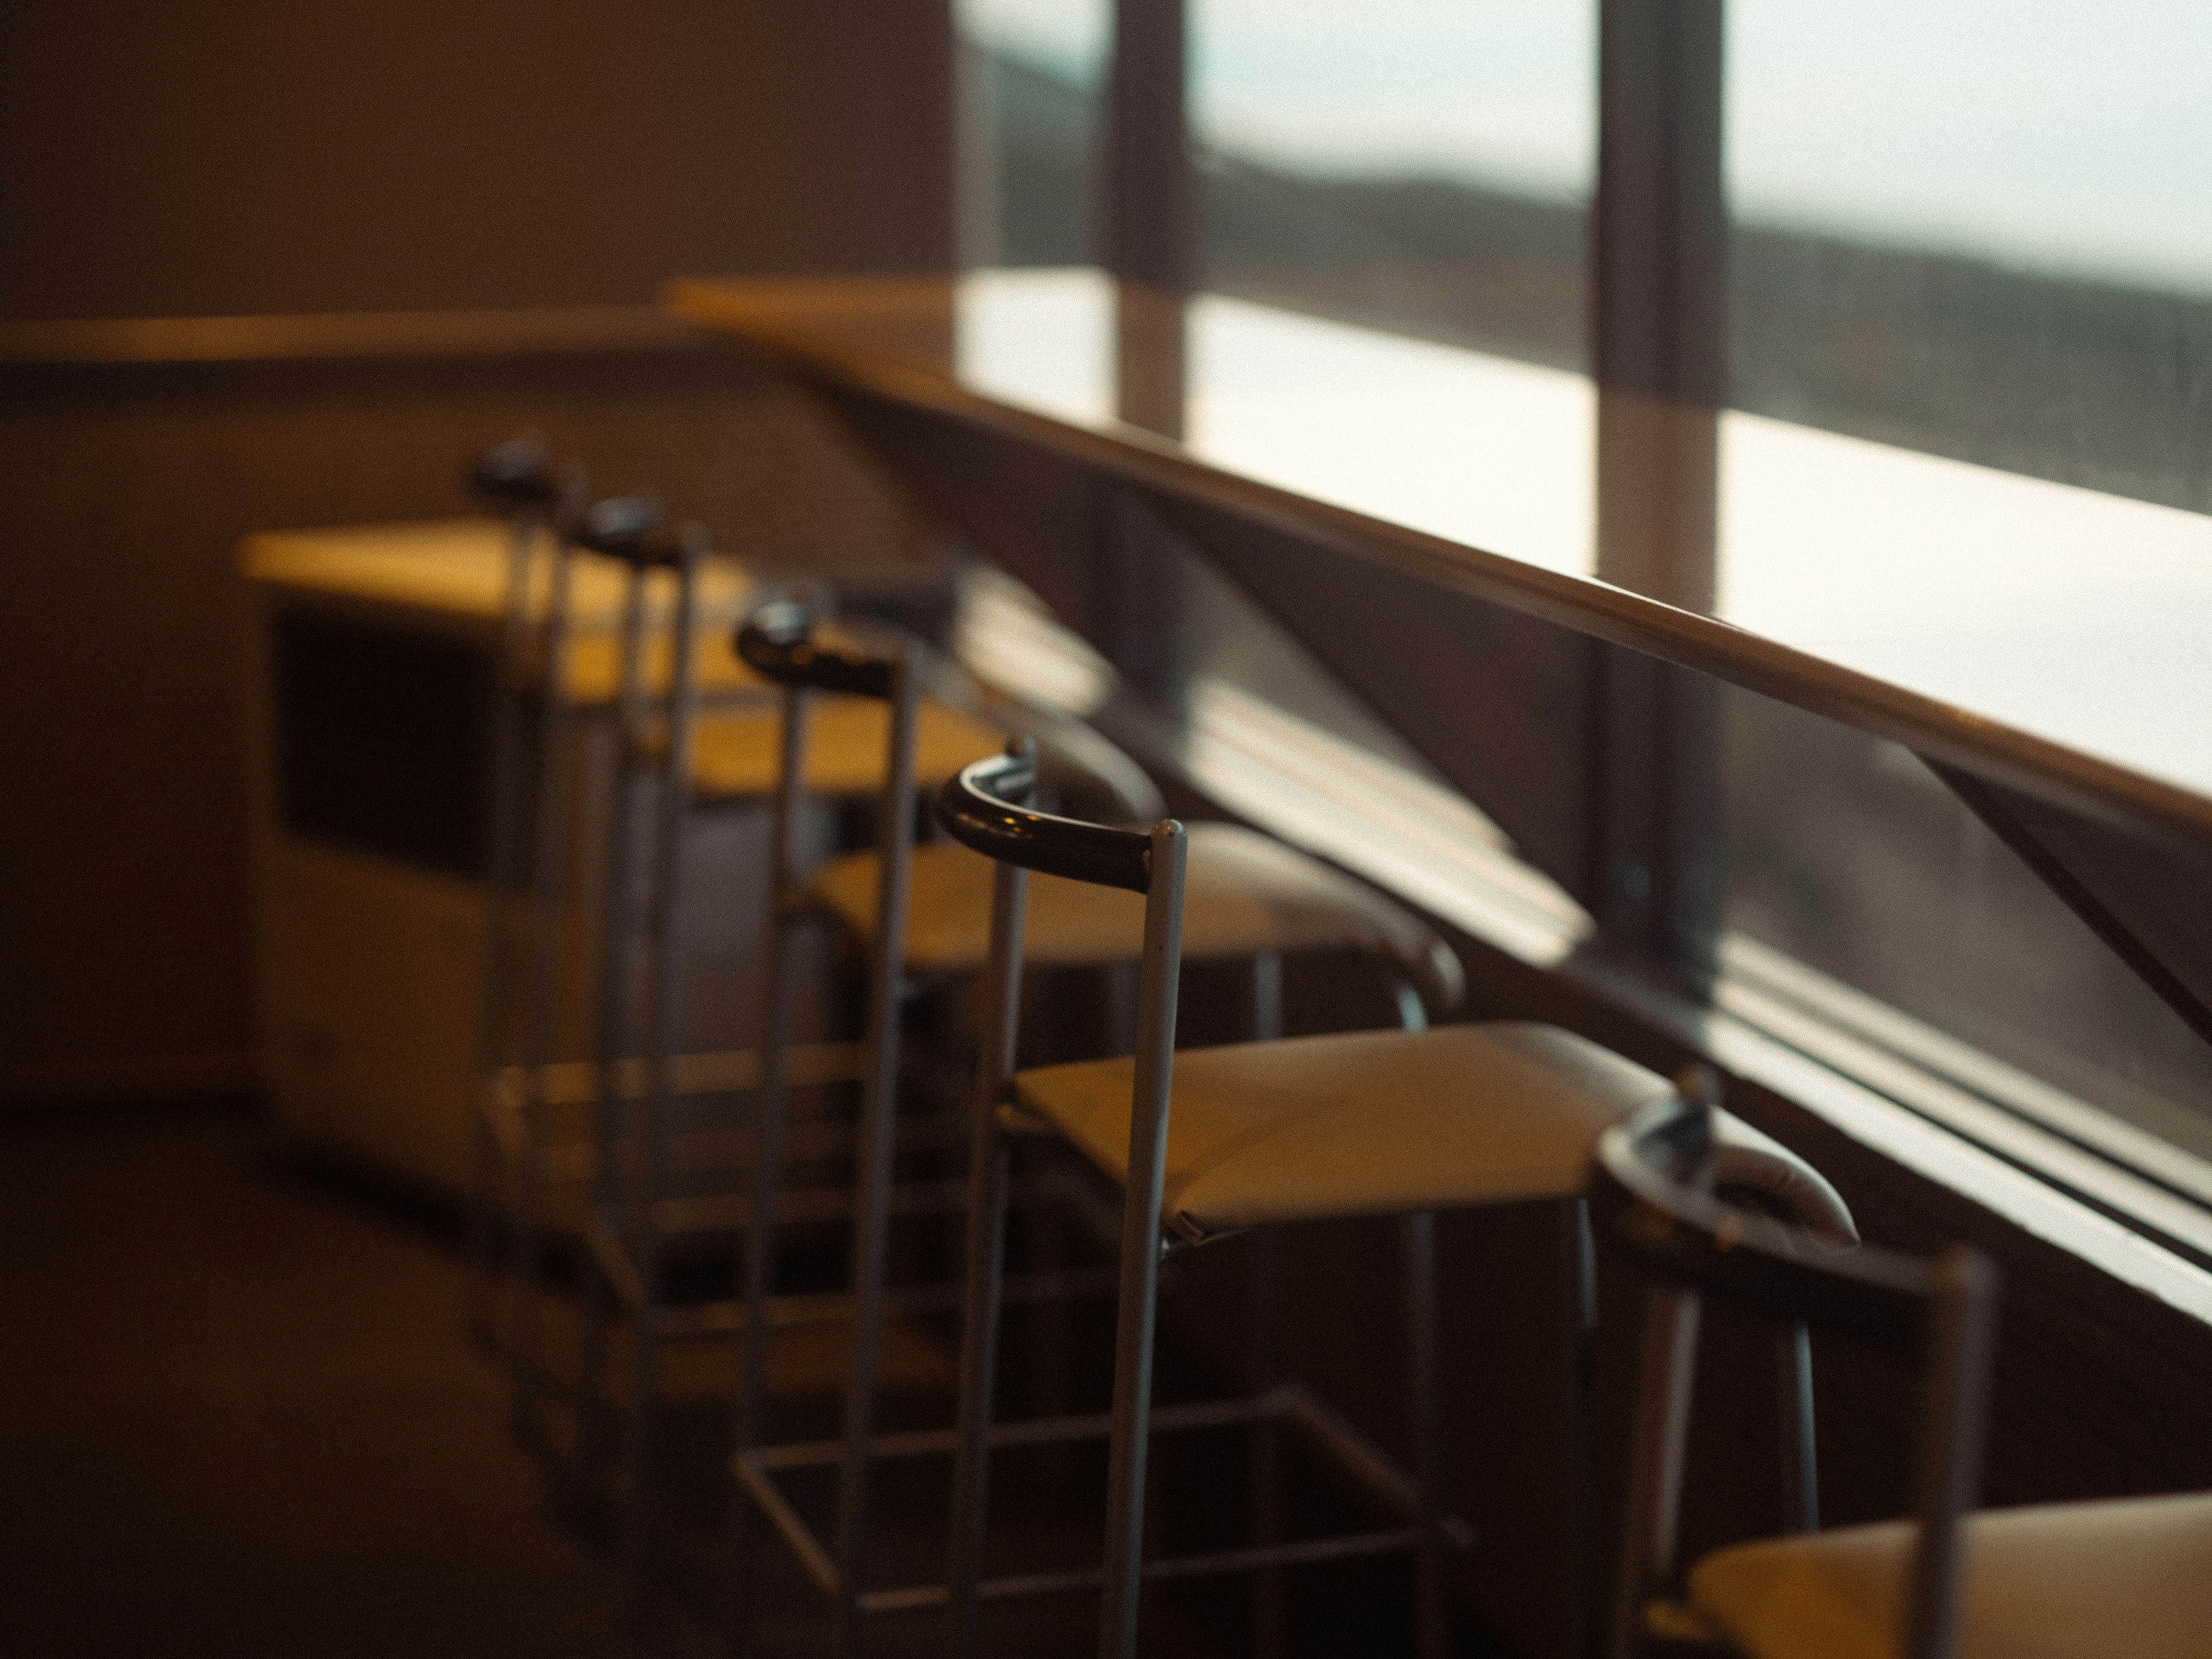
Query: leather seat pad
point(2123, 1578)
point(1357, 1123)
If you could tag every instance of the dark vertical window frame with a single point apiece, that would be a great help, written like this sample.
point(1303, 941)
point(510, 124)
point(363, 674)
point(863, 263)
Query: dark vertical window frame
point(1658, 242)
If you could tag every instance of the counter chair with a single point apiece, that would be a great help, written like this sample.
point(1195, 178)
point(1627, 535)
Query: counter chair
point(2121, 1578)
point(639, 1225)
point(541, 692)
point(522, 868)
point(634, 1093)
point(649, 1213)
point(1373, 1123)
point(1666, 1190)
point(926, 913)
point(536, 712)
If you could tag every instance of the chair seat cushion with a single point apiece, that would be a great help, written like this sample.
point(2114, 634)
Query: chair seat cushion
point(1357, 1123)
point(2123, 1578)
point(739, 755)
point(1243, 894)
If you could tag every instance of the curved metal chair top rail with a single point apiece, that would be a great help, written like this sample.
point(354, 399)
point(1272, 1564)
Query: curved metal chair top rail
point(778, 640)
point(1070, 753)
point(627, 527)
point(1648, 1188)
point(515, 474)
point(980, 807)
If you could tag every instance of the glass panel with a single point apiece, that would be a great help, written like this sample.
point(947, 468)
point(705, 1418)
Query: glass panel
point(1849, 856)
point(1985, 238)
point(1421, 164)
point(1985, 234)
point(1031, 81)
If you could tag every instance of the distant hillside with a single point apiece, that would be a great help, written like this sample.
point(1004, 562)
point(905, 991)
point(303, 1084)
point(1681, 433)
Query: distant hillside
point(2085, 382)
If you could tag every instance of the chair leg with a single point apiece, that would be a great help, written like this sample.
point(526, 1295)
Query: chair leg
point(1267, 996)
point(750, 1425)
point(1051, 1367)
point(1665, 1378)
point(542, 991)
point(618, 923)
point(879, 1135)
point(1266, 1450)
point(754, 1337)
point(1267, 1357)
point(1801, 1468)
point(502, 862)
point(665, 1013)
point(595, 1436)
point(878, 1148)
point(985, 1262)
point(1131, 1433)
point(595, 1448)
point(1427, 1412)
point(1129, 1439)
point(638, 1509)
point(645, 1333)
point(526, 1344)
point(1577, 1284)
point(979, 1360)
point(492, 1175)
point(489, 1186)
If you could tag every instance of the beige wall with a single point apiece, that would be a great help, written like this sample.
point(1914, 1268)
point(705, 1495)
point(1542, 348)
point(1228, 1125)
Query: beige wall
point(251, 156)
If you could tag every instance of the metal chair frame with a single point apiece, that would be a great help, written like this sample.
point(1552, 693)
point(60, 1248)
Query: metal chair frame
point(631, 1157)
point(634, 1087)
point(986, 808)
point(534, 712)
point(637, 1149)
point(633, 1144)
point(781, 641)
point(524, 846)
point(1653, 1191)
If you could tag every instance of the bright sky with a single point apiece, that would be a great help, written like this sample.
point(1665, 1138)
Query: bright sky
point(2051, 134)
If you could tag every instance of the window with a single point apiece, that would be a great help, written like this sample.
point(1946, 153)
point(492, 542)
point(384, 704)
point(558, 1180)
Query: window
point(1942, 240)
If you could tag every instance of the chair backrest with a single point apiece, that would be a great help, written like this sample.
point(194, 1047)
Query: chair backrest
point(628, 528)
point(1661, 1191)
point(515, 475)
point(783, 640)
point(986, 808)
point(787, 640)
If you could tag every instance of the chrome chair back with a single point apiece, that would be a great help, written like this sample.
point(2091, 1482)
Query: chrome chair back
point(986, 808)
point(1677, 1189)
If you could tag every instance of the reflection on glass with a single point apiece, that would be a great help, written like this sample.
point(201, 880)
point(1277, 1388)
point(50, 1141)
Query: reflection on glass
point(1848, 856)
point(1031, 85)
point(2069, 613)
point(1986, 235)
point(2051, 136)
point(2078, 616)
point(1043, 340)
point(1477, 448)
point(1423, 164)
